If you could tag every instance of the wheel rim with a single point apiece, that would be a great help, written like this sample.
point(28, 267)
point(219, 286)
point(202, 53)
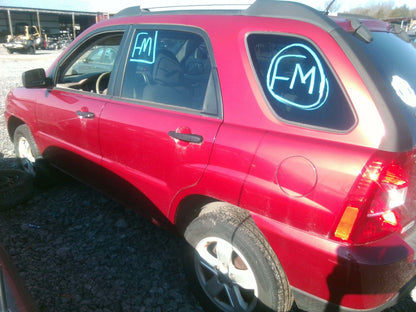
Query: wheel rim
point(25, 155)
point(225, 275)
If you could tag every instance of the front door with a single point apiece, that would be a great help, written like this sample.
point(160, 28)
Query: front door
point(68, 116)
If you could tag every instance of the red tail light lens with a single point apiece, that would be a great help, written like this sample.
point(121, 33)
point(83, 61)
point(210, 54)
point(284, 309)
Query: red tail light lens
point(379, 202)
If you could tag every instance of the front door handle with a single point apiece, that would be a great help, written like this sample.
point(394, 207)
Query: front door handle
point(88, 115)
point(191, 138)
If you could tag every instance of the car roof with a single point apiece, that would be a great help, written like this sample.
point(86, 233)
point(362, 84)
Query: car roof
point(164, 5)
point(260, 8)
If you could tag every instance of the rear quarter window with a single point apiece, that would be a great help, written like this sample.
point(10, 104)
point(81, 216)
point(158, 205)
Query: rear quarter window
point(297, 82)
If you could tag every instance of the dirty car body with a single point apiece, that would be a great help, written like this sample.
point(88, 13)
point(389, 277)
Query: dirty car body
point(292, 130)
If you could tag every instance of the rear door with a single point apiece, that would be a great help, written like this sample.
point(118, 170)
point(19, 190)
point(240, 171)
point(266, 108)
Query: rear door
point(159, 132)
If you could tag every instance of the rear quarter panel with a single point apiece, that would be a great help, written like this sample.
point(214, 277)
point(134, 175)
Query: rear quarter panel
point(336, 158)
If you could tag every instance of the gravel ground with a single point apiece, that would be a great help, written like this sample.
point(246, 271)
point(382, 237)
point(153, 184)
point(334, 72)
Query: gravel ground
point(77, 250)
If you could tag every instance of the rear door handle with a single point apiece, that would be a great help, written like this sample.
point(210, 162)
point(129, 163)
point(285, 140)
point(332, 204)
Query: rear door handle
point(88, 115)
point(192, 138)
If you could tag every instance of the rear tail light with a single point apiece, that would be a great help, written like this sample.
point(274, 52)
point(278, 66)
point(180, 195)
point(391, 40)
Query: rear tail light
point(381, 200)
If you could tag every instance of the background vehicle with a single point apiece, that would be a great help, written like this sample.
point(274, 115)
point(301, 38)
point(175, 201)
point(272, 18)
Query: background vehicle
point(279, 141)
point(58, 39)
point(14, 295)
point(27, 42)
point(99, 60)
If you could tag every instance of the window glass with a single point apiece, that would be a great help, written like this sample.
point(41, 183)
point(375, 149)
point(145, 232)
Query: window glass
point(298, 83)
point(169, 67)
point(395, 60)
point(91, 66)
point(96, 55)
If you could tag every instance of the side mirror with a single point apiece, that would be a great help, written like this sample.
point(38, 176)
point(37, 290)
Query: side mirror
point(36, 78)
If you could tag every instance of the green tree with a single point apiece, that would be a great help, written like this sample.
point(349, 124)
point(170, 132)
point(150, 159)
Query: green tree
point(380, 14)
point(361, 11)
point(402, 11)
point(384, 10)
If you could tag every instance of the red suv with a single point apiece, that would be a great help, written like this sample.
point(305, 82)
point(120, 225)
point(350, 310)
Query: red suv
point(278, 140)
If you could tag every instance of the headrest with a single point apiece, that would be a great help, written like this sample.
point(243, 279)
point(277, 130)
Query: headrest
point(167, 70)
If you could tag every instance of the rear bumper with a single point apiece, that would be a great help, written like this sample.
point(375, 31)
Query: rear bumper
point(309, 302)
point(325, 274)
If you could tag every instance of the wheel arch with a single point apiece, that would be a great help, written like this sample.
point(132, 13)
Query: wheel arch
point(12, 124)
point(195, 205)
point(217, 213)
point(188, 209)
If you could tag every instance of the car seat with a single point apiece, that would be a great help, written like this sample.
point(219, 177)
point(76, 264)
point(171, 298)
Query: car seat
point(168, 84)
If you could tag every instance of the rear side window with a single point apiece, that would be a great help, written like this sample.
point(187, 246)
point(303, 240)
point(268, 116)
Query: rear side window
point(297, 82)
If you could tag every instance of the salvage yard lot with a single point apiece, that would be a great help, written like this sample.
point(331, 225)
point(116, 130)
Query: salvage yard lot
point(77, 250)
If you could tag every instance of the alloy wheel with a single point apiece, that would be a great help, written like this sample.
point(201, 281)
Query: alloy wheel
point(225, 275)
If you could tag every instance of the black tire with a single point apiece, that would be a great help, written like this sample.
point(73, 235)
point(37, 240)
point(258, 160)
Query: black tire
point(29, 158)
point(225, 239)
point(16, 186)
point(32, 50)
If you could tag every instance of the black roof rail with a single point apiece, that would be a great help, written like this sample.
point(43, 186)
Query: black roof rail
point(130, 11)
point(291, 10)
point(136, 11)
point(266, 8)
point(351, 15)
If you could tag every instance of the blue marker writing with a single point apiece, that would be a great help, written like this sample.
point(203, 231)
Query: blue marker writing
point(278, 77)
point(144, 49)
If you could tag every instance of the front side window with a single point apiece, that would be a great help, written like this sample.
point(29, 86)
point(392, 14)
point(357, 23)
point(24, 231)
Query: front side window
point(89, 69)
point(96, 59)
point(298, 83)
point(167, 67)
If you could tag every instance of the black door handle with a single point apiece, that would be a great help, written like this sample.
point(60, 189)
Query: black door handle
point(88, 115)
point(192, 138)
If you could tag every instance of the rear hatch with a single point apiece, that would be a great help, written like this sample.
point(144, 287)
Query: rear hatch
point(385, 57)
point(383, 200)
